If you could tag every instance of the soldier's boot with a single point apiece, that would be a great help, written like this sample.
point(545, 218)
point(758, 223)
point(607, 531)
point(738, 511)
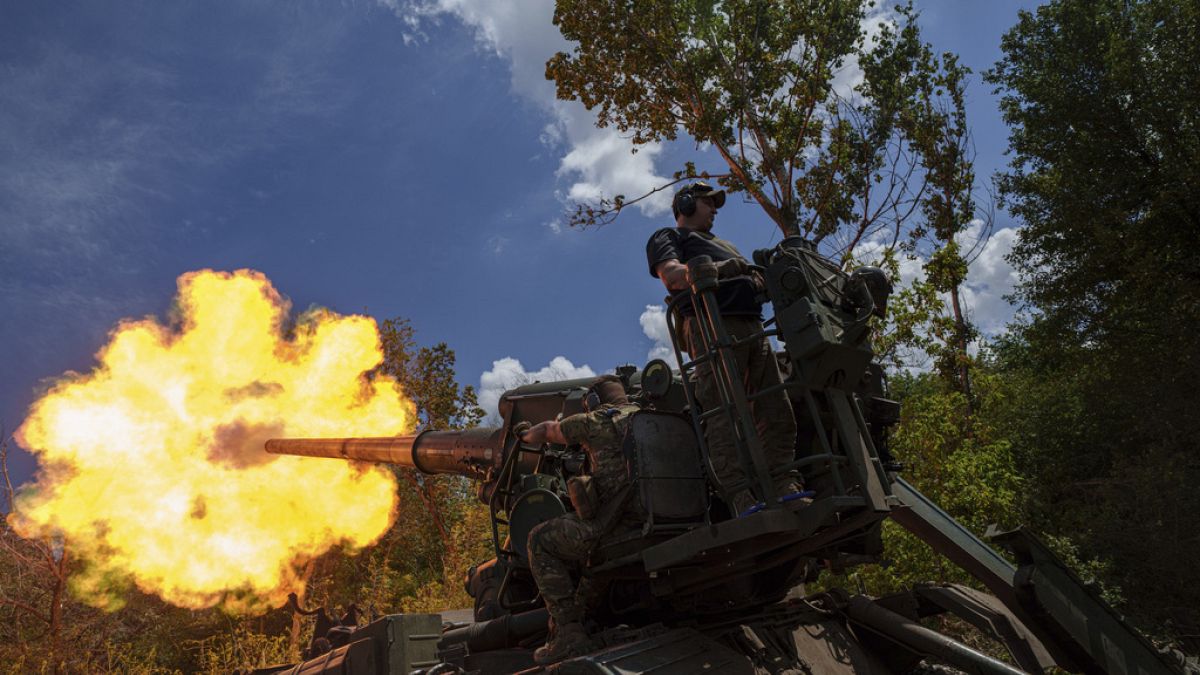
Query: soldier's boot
point(787, 490)
point(566, 641)
point(742, 502)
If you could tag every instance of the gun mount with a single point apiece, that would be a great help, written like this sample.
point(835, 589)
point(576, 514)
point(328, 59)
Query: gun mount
point(700, 589)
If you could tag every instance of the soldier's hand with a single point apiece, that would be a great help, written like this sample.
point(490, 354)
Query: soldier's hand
point(522, 428)
point(760, 284)
point(734, 267)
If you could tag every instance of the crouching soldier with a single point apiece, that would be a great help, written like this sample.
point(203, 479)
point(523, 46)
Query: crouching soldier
point(604, 502)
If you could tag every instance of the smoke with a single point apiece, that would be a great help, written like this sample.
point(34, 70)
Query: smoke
point(239, 444)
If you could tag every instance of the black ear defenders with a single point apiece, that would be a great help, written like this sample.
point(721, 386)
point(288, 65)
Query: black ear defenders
point(685, 202)
point(591, 401)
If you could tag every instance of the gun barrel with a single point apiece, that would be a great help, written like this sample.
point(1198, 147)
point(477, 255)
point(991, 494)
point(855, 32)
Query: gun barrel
point(464, 453)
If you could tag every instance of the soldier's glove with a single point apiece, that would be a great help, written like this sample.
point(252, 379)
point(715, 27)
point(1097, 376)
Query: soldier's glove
point(521, 428)
point(760, 284)
point(734, 267)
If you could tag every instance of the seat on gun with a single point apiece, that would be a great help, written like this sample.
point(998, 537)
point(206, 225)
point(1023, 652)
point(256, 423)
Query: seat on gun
point(667, 475)
point(667, 470)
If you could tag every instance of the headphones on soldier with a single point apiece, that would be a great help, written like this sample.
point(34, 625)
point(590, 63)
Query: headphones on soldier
point(591, 400)
point(685, 201)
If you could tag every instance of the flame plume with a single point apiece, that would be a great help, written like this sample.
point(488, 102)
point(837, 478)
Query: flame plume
point(152, 466)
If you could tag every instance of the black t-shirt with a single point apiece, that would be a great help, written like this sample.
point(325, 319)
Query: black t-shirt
point(735, 297)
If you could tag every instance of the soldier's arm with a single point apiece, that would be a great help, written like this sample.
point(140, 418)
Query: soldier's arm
point(544, 432)
point(673, 274)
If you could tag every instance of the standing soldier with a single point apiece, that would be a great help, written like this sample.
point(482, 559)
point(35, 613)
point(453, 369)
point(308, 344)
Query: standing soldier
point(603, 501)
point(668, 251)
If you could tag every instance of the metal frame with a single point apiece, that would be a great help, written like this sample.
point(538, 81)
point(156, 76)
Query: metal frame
point(859, 455)
point(501, 492)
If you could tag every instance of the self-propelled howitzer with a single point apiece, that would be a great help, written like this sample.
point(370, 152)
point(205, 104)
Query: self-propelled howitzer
point(700, 589)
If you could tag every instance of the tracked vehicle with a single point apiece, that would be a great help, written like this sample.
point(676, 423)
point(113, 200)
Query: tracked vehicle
point(701, 589)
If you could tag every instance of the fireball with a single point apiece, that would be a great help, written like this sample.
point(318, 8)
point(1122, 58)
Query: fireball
point(152, 465)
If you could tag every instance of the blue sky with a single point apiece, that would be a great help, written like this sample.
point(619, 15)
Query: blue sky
point(386, 157)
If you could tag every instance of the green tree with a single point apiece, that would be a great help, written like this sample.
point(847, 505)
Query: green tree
point(1104, 103)
point(962, 462)
point(426, 375)
point(759, 80)
point(1103, 97)
point(441, 527)
point(959, 461)
point(834, 117)
point(940, 133)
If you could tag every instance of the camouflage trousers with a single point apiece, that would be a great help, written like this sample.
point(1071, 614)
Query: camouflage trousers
point(772, 414)
point(555, 547)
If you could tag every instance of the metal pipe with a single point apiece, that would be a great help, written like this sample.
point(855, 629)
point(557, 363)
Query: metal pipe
point(499, 633)
point(863, 610)
point(464, 453)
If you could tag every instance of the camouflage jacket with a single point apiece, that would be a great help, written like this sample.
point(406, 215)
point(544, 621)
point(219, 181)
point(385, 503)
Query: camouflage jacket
point(601, 433)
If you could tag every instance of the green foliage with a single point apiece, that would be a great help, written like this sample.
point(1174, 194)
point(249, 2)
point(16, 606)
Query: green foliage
point(919, 331)
point(1091, 571)
point(759, 80)
point(1104, 101)
point(239, 647)
point(1112, 468)
point(956, 459)
point(911, 309)
point(884, 158)
point(471, 543)
point(426, 375)
point(145, 637)
point(939, 131)
point(417, 567)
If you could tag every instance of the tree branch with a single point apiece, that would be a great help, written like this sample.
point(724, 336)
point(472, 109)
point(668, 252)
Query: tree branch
point(32, 611)
point(587, 216)
point(8, 486)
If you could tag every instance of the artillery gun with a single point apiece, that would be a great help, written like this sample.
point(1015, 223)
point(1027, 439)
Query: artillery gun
point(699, 588)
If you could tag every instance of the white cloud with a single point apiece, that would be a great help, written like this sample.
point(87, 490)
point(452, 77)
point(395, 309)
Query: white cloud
point(508, 372)
point(870, 252)
point(850, 74)
point(600, 162)
point(603, 166)
point(654, 325)
point(989, 279)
